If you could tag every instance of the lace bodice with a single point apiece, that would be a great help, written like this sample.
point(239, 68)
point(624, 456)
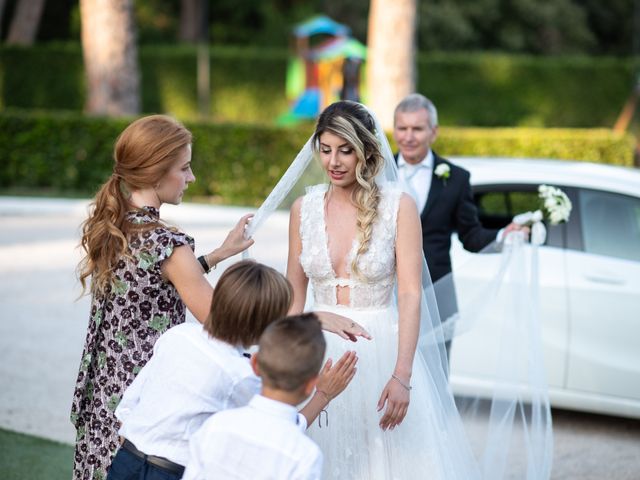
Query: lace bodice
point(377, 265)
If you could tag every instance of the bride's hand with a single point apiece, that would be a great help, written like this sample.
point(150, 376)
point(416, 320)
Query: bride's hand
point(343, 326)
point(396, 397)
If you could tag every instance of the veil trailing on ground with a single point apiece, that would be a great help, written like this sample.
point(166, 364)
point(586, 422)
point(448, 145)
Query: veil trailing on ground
point(498, 424)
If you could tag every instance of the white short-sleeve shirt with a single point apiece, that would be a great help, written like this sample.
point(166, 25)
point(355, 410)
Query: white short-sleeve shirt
point(262, 441)
point(189, 377)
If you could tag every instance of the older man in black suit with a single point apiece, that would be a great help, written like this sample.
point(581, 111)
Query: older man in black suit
point(442, 193)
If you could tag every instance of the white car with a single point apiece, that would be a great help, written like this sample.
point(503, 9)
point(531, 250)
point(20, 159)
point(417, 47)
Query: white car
point(589, 278)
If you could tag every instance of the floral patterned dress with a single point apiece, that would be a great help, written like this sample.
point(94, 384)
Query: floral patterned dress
point(125, 323)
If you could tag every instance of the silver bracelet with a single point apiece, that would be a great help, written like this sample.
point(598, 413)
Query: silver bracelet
point(394, 376)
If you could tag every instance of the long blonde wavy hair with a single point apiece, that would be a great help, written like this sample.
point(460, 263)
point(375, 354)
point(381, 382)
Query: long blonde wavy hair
point(351, 121)
point(143, 154)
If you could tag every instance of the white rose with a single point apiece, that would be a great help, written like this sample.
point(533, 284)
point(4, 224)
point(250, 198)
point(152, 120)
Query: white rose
point(543, 189)
point(555, 217)
point(442, 170)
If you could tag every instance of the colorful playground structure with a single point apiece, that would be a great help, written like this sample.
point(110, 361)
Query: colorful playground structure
point(326, 67)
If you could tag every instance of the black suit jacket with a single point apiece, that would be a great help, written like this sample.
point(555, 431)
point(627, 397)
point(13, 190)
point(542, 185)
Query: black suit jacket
point(450, 208)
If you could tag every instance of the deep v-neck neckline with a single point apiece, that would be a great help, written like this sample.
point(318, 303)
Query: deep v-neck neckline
point(354, 243)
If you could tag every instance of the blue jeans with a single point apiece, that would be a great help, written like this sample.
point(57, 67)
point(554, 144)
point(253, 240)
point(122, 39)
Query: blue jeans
point(127, 466)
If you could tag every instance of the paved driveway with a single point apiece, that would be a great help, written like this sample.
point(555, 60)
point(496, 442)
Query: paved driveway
point(42, 329)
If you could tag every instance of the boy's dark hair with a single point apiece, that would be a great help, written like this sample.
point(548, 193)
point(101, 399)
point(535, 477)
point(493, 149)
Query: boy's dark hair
point(247, 298)
point(291, 352)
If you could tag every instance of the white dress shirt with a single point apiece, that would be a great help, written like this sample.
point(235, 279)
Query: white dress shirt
point(416, 178)
point(189, 377)
point(262, 441)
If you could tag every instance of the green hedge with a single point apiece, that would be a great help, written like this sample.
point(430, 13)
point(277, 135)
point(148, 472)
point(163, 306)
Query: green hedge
point(239, 164)
point(594, 145)
point(500, 90)
point(248, 85)
point(234, 164)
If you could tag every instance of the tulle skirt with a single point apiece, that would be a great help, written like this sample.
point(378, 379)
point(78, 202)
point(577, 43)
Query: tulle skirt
point(353, 444)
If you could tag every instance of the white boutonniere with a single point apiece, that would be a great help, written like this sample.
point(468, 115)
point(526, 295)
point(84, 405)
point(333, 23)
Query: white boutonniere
point(443, 171)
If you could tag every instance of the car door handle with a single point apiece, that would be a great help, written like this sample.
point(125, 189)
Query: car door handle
point(605, 279)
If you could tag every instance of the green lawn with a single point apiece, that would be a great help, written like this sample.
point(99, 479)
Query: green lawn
point(23, 457)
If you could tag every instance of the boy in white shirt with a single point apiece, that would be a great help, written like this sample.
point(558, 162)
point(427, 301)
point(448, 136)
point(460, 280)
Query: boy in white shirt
point(264, 441)
point(198, 370)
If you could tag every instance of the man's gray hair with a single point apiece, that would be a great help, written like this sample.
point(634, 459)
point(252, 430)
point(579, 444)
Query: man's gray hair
point(415, 102)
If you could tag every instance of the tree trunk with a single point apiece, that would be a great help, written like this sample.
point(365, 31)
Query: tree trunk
point(190, 23)
point(390, 56)
point(110, 57)
point(3, 3)
point(26, 19)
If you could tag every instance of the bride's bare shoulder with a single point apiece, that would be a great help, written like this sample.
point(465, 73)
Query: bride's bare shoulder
point(407, 205)
point(311, 193)
point(297, 205)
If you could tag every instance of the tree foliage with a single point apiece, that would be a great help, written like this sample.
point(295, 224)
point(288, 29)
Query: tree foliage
point(521, 26)
point(534, 26)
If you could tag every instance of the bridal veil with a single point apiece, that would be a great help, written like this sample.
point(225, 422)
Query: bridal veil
point(498, 423)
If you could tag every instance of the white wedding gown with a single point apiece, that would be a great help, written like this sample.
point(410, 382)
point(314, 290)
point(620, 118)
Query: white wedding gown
point(507, 430)
point(353, 444)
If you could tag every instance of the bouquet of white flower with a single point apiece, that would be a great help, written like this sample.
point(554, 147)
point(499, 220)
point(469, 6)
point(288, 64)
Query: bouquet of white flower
point(555, 207)
point(556, 204)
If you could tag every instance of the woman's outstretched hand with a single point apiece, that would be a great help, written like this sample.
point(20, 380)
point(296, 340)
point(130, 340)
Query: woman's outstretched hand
point(396, 397)
point(235, 241)
point(333, 379)
point(343, 326)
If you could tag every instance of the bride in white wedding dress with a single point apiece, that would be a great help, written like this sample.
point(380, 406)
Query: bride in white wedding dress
point(356, 240)
point(355, 244)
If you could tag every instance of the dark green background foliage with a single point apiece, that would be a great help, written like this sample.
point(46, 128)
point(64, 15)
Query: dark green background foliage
point(248, 85)
point(506, 90)
point(532, 26)
point(49, 77)
point(239, 164)
point(234, 164)
point(526, 26)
